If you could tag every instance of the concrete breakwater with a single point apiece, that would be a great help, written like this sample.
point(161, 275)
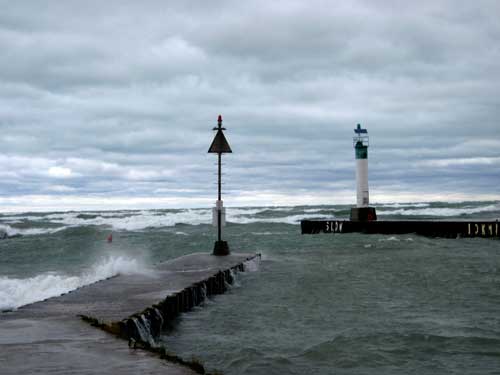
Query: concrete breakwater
point(145, 326)
point(447, 229)
point(48, 336)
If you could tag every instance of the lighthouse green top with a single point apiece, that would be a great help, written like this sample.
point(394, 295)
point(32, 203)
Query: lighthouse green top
point(361, 150)
point(360, 142)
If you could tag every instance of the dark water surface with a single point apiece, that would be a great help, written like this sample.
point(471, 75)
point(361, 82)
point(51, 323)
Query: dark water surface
point(356, 304)
point(352, 303)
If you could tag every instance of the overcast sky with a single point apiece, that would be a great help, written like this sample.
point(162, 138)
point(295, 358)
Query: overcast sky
point(111, 104)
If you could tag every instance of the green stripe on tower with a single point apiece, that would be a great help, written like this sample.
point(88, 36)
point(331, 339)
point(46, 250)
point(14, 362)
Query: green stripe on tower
point(361, 151)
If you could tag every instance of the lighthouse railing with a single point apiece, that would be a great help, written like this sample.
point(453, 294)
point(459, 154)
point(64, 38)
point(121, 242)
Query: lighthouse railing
point(363, 139)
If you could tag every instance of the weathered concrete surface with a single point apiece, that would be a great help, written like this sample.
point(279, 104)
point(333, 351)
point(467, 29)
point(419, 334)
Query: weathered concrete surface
point(48, 336)
point(67, 345)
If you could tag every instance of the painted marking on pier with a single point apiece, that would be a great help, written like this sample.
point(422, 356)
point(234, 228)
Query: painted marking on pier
point(476, 226)
point(483, 229)
point(333, 226)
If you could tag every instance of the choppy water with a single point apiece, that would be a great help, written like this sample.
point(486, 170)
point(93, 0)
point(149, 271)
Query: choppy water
point(319, 304)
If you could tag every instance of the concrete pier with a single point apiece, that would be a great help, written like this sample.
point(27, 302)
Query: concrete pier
point(447, 229)
point(54, 335)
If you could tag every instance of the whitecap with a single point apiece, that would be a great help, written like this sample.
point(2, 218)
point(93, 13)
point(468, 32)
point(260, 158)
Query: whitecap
point(11, 231)
point(441, 211)
point(312, 210)
point(140, 220)
point(401, 205)
point(292, 219)
point(267, 233)
point(392, 238)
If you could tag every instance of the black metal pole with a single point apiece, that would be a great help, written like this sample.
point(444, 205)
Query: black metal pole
point(219, 183)
point(219, 198)
point(219, 146)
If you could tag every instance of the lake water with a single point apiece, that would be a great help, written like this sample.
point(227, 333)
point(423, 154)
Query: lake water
point(344, 304)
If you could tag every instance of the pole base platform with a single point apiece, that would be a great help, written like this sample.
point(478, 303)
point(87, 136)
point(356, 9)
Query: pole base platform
point(221, 248)
point(363, 214)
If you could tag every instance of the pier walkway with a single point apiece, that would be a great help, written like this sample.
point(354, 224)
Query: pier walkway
point(51, 336)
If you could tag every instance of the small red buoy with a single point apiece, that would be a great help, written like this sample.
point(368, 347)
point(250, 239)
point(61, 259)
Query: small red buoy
point(219, 119)
point(110, 238)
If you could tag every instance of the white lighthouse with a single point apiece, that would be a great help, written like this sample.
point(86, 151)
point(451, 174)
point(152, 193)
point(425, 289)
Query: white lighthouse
point(362, 211)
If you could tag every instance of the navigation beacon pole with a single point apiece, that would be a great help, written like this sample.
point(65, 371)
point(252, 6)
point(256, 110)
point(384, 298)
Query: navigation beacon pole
point(219, 146)
point(362, 212)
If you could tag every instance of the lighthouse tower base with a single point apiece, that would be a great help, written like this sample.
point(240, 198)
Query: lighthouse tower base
point(363, 214)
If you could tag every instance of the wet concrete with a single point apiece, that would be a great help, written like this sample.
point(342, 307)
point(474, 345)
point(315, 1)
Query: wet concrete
point(67, 345)
point(49, 336)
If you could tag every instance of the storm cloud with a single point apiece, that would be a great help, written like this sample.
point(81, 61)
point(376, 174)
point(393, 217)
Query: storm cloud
point(112, 104)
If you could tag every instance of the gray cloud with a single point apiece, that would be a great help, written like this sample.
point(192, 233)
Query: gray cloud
point(117, 99)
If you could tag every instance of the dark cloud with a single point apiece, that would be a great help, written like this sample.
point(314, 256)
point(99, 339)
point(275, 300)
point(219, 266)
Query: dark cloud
point(109, 102)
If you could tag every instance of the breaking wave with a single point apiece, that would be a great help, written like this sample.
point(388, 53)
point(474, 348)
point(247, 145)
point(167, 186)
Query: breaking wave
point(15, 293)
point(49, 223)
point(293, 219)
point(136, 220)
point(13, 231)
point(440, 211)
point(141, 220)
point(402, 205)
